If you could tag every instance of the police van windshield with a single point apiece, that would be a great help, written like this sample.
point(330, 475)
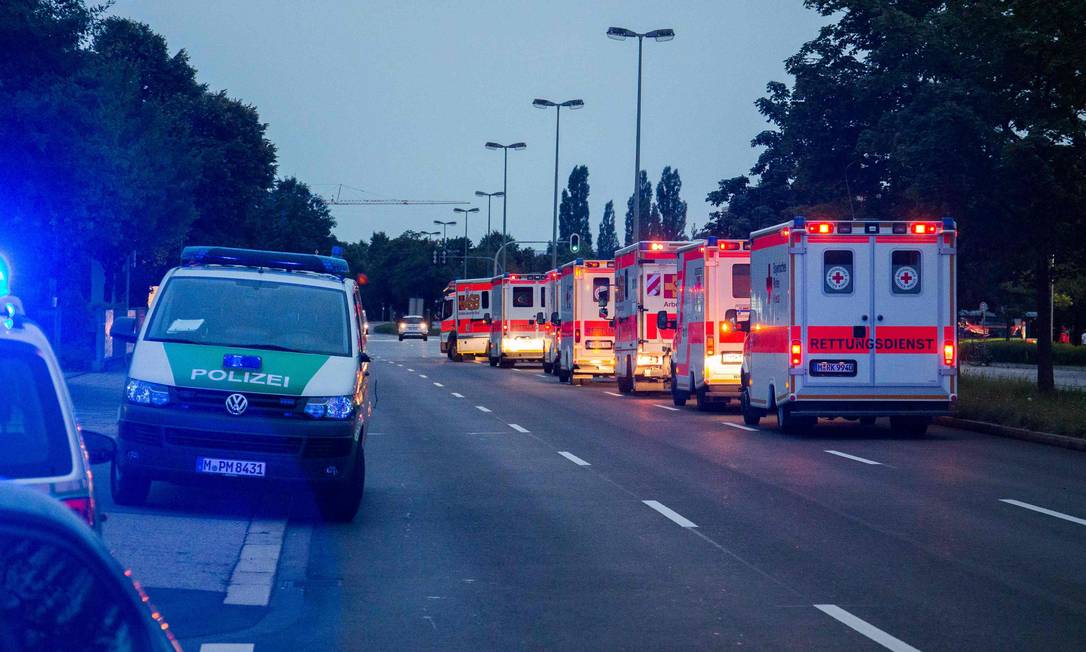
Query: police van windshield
point(33, 437)
point(252, 314)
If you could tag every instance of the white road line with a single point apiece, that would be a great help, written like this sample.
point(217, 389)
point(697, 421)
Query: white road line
point(411, 370)
point(613, 394)
point(227, 647)
point(1042, 510)
point(573, 458)
point(482, 408)
point(854, 457)
point(515, 369)
point(678, 518)
point(423, 376)
point(518, 428)
point(666, 407)
point(739, 426)
point(458, 395)
point(867, 629)
point(438, 385)
point(543, 375)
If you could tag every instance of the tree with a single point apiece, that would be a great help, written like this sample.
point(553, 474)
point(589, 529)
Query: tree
point(646, 226)
point(607, 242)
point(292, 218)
point(671, 207)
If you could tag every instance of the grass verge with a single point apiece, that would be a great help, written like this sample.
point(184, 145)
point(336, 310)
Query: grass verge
point(1018, 404)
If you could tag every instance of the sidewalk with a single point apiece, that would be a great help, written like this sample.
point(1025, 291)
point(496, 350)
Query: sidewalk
point(1066, 377)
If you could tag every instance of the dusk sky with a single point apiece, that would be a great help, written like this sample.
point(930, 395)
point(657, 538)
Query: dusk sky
point(397, 98)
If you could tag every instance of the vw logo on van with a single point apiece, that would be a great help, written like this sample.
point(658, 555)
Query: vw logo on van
point(236, 404)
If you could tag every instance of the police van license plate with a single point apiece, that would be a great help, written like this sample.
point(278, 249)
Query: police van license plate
point(230, 467)
point(833, 367)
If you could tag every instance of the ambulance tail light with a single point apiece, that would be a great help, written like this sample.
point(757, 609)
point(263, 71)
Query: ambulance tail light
point(797, 353)
point(656, 246)
point(821, 228)
point(577, 336)
point(710, 344)
point(948, 354)
point(923, 228)
point(729, 246)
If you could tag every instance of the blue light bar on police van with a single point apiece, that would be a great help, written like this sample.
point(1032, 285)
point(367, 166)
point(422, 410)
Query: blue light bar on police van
point(268, 259)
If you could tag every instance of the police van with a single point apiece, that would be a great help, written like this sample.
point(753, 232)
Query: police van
point(852, 319)
point(250, 364)
point(714, 300)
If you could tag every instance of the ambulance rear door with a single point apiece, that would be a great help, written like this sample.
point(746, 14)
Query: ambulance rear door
point(906, 314)
point(657, 293)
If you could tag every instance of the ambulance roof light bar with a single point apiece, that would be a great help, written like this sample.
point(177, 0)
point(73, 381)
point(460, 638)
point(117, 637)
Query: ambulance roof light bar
point(292, 262)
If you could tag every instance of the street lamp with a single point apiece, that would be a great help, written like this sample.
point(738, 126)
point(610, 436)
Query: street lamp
point(488, 195)
point(505, 182)
point(466, 212)
point(621, 34)
point(546, 104)
point(444, 230)
point(430, 233)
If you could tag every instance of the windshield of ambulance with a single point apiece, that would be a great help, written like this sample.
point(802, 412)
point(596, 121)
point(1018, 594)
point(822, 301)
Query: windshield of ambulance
point(33, 438)
point(255, 314)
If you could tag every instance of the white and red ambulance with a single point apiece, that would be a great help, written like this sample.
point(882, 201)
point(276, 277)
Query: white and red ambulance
point(644, 285)
point(551, 333)
point(852, 319)
point(587, 342)
point(714, 298)
point(517, 319)
point(464, 326)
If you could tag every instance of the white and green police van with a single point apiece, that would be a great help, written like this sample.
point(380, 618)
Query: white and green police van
point(250, 364)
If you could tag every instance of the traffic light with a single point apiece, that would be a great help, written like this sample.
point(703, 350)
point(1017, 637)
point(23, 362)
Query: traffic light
point(435, 256)
point(444, 257)
point(574, 243)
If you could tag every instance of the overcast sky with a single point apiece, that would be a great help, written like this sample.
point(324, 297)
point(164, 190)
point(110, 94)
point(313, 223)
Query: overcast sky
point(398, 97)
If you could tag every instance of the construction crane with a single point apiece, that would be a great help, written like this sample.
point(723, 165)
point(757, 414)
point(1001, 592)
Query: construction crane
point(338, 201)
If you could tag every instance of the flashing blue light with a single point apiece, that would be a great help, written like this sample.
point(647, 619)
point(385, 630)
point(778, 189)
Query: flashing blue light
point(799, 221)
point(268, 259)
point(238, 361)
point(144, 393)
point(710, 241)
point(315, 410)
point(9, 315)
point(5, 276)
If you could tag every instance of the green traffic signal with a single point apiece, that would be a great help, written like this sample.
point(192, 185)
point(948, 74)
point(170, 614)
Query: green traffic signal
point(574, 243)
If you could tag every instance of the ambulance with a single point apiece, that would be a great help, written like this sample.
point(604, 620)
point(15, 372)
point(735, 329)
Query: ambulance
point(852, 319)
point(644, 285)
point(517, 319)
point(714, 300)
point(587, 342)
point(249, 366)
point(553, 334)
point(464, 327)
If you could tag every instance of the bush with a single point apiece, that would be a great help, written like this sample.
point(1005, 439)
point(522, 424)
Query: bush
point(1017, 403)
point(982, 351)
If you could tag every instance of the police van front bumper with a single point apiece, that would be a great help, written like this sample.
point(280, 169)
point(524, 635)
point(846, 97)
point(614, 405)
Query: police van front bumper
point(166, 444)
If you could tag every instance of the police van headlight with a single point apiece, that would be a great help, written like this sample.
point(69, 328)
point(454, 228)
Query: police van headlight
point(330, 407)
point(143, 393)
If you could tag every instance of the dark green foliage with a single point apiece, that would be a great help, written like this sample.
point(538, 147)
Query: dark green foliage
point(648, 229)
point(670, 206)
point(573, 213)
point(607, 242)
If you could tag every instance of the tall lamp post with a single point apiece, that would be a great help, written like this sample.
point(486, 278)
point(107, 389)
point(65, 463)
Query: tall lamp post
point(505, 184)
point(488, 195)
point(466, 212)
point(546, 104)
point(621, 34)
point(444, 230)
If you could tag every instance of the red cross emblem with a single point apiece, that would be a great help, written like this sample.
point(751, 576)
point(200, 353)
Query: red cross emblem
point(837, 277)
point(906, 278)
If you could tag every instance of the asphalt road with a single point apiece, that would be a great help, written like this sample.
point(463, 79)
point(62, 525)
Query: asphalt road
point(504, 511)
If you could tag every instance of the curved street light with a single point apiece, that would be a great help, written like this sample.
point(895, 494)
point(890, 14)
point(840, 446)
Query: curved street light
point(546, 104)
point(505, 180)
point(466, 212)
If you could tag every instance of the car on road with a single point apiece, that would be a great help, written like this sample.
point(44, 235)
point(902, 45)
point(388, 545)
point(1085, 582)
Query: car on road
point(41, 446)
point(414, 326)
point(62, 590)
point(250, 365)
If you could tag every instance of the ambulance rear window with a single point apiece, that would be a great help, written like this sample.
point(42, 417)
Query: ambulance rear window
point(542, 297)
point(741, 281)
point(905, 272)
point(484, 299)
point(837, 271)
point(522, 297)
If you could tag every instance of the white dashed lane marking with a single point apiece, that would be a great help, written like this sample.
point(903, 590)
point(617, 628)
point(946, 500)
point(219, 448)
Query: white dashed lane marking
point(411, 370)
point(438, 385)
point(482, 408)
point(867, 629)
point(1042, 510)
point(518, 428)
point(739, 426)
point(678, 518)
point(613, 394)
point(666, 407)
point(458, 395)
point(423, 376)
point(227, 647)
point(573, 458)
point(856, 458)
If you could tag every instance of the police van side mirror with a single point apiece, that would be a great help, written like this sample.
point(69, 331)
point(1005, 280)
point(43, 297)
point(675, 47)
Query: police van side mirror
point(124, 328)
point(555, 319)
point(364, 357)
point(540, 319)
point(100, 448)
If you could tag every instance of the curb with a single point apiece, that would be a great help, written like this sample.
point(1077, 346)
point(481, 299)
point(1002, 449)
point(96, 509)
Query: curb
point(1063, 441)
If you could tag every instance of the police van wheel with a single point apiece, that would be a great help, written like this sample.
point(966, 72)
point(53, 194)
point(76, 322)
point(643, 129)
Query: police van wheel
point(401, 338)
point(626, 383)
point(128, 489)
point(341, 503)
point(909, 426)
point(425, 338)
point(751, 417)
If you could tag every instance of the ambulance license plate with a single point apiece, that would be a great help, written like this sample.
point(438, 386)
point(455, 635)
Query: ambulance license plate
point(230, 467)
point(833, 367)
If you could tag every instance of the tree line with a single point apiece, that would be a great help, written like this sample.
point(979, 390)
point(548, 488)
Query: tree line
point(110, 147)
